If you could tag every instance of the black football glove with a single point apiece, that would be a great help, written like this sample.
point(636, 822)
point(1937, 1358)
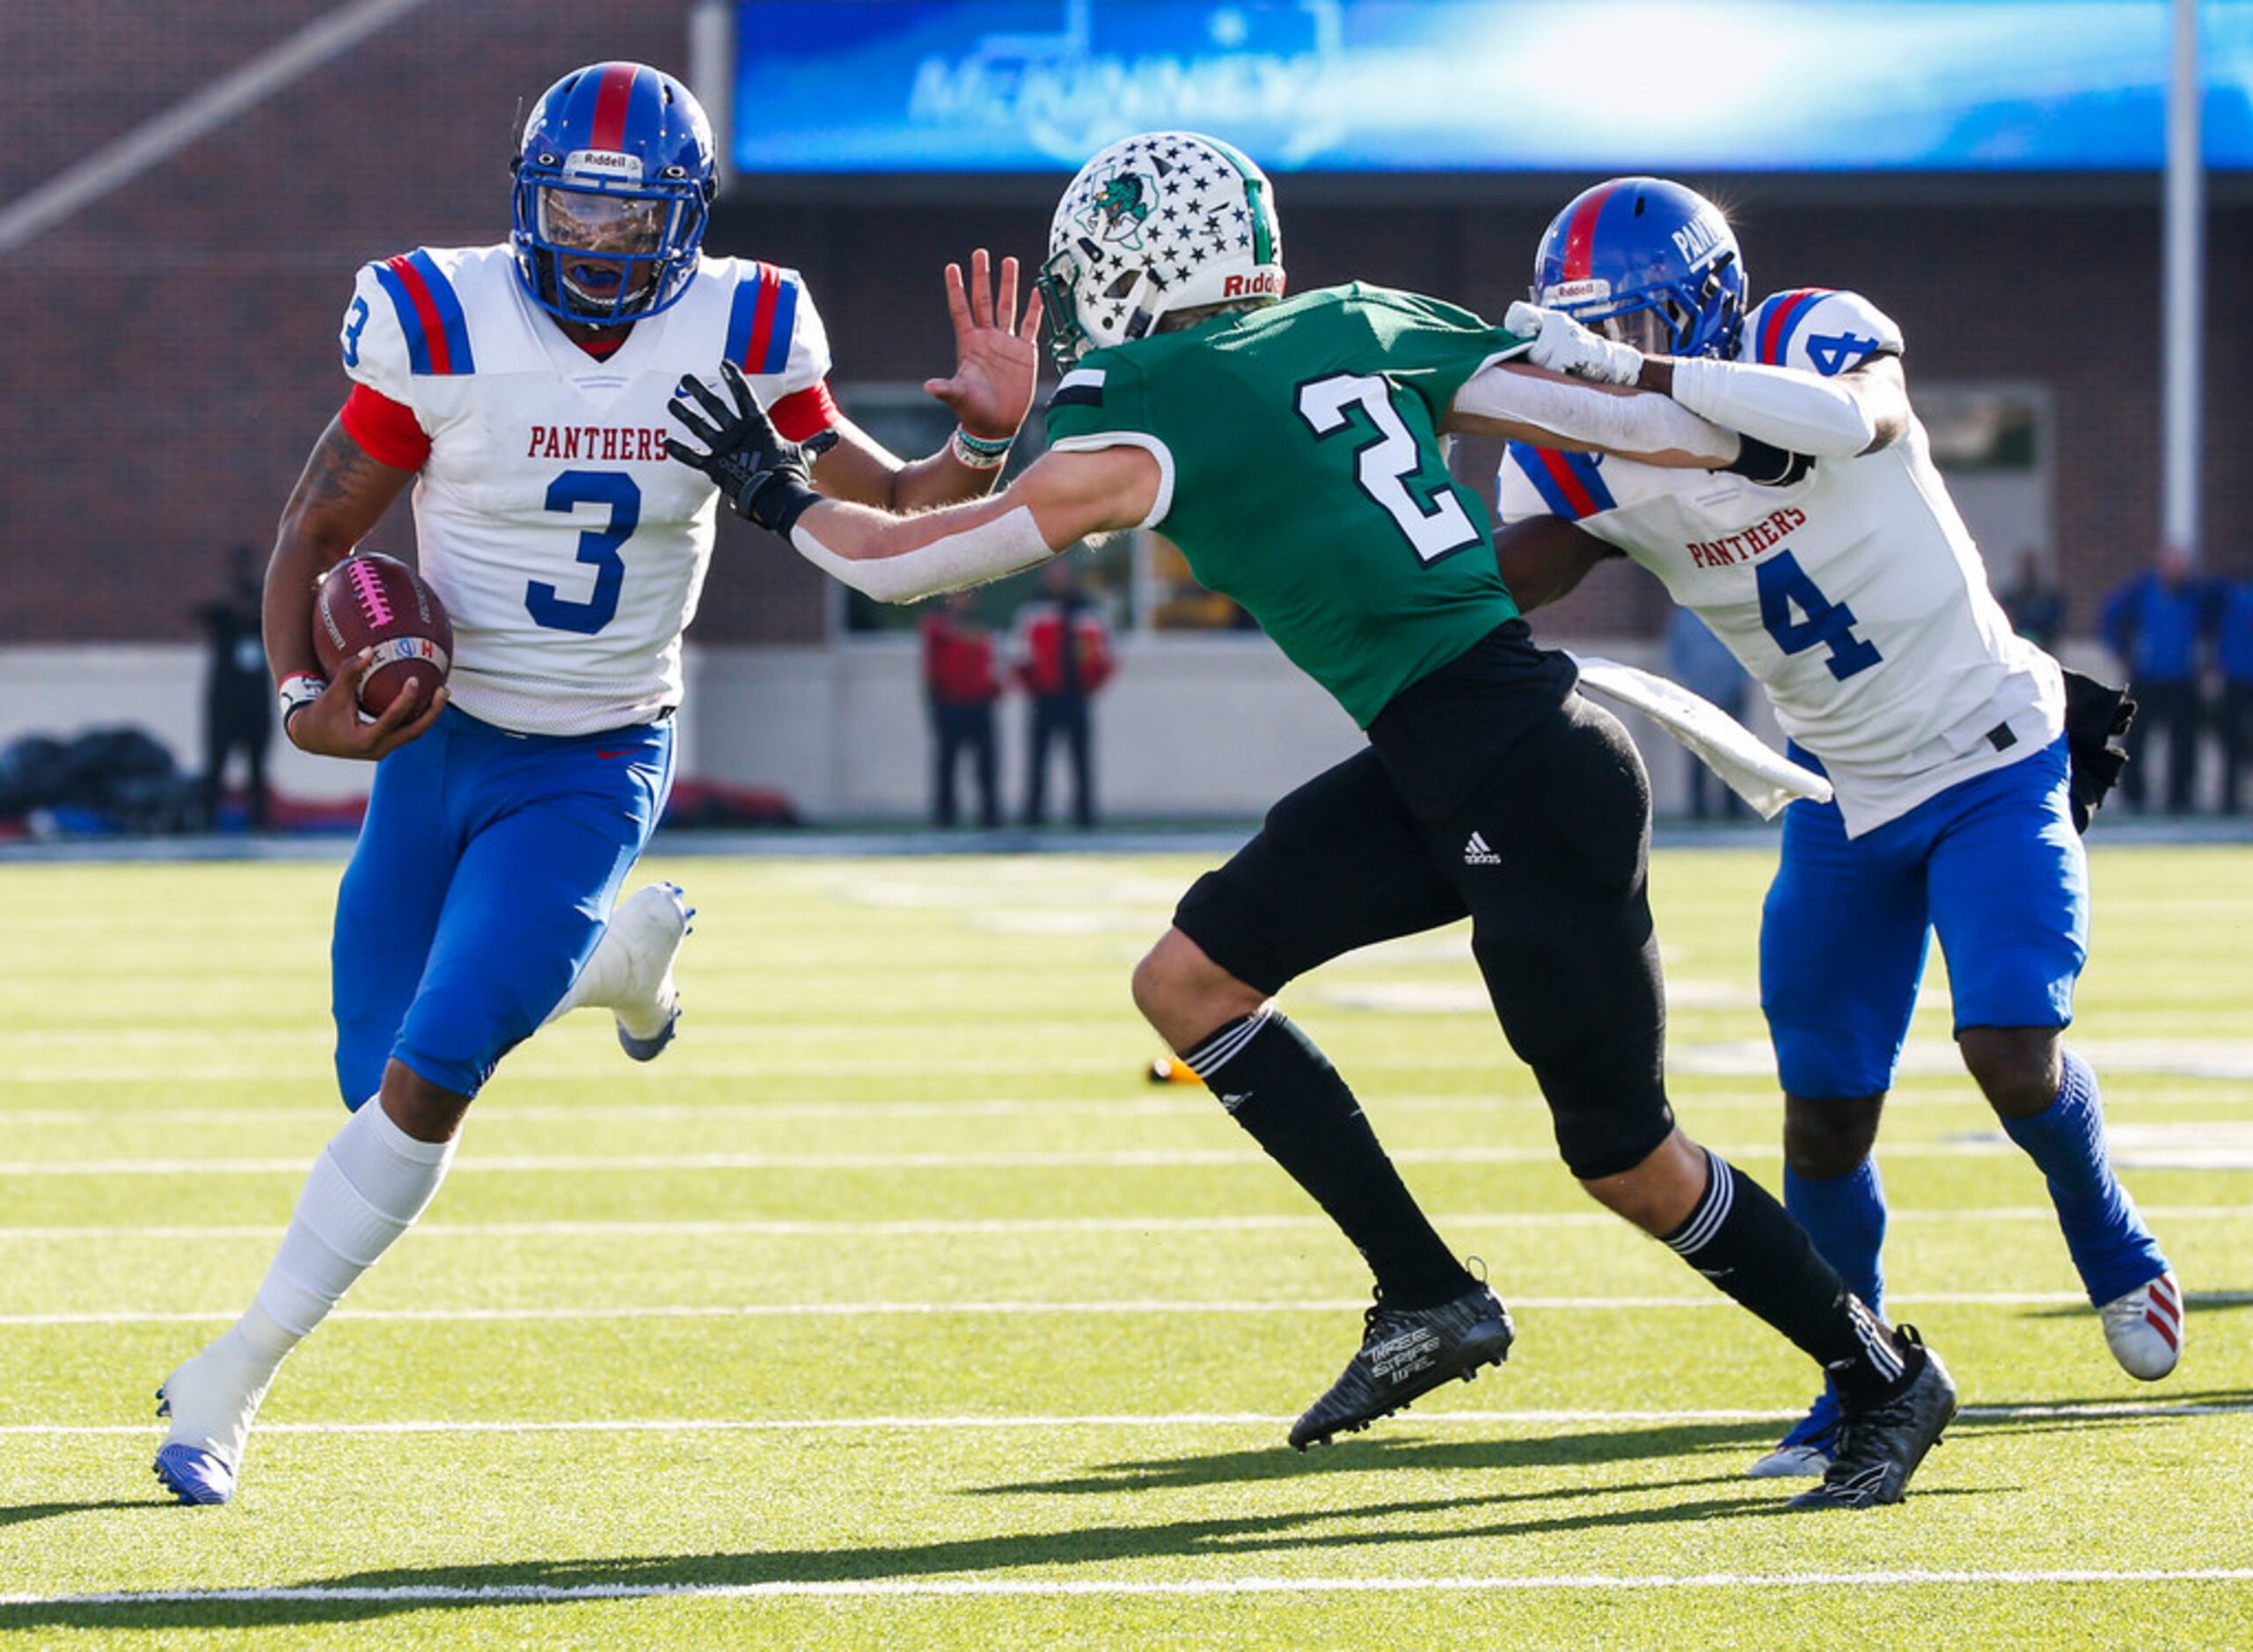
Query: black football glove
point(1768, 466)
point(764, 478)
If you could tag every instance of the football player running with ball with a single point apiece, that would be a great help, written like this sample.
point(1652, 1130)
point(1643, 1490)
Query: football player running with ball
point(1852, 591)
point(521, 387)
point(1291, 445)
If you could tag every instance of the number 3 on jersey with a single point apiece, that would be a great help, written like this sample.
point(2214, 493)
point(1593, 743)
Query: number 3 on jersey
point(1432, 518)
point(598, 548)
point(1784, 585)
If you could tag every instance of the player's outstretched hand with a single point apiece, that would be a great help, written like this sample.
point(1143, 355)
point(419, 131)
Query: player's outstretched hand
point(331, 726)
point(997, 355)
point(1563, 346)
point(764, 478)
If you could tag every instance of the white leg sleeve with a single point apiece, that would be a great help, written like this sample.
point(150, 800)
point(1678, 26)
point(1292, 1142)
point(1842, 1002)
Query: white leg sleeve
point(367, 1188)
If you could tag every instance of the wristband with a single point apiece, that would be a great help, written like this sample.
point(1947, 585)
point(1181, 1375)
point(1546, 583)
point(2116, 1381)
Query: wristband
point(979, 453)
point(299, 690)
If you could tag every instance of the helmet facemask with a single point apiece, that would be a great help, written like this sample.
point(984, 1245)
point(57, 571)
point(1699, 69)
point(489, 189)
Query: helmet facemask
point(613, 186)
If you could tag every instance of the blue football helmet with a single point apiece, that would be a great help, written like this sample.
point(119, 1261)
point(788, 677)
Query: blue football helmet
point(1648, 262)
point(614, 181)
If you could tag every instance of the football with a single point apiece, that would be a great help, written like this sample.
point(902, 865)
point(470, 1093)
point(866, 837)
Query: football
point(371, 601)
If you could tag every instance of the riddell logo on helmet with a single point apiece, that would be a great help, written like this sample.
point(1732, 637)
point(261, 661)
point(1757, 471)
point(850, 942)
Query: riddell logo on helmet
point(1587, 290)
point(603, 163)
point(1259, 283)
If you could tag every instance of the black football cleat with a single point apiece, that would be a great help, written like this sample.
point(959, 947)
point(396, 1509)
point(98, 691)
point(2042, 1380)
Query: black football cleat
point(1406, 1353)
point(1880, 1446)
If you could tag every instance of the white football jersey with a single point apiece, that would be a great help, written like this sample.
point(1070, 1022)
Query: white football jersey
point(1855, 595)
point(568, 549)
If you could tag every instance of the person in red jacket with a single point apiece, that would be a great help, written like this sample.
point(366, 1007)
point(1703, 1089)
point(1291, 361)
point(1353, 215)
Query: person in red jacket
point(1063, 655)
point(960, 683)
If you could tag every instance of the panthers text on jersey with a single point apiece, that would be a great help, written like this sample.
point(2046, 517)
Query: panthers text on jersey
point(568, 549)
point(1855, 595)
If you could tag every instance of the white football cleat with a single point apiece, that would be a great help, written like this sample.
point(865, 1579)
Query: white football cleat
point(1807, 1451)
point(211, 1400)
point(647, 929)
point(2145, 1328)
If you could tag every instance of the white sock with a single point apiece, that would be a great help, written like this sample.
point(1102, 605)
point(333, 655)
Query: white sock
point(366, 1189)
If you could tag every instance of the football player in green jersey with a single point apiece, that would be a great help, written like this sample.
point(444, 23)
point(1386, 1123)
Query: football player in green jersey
point(1290, 447)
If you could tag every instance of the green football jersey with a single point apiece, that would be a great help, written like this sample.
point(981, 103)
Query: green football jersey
point(1304, 476)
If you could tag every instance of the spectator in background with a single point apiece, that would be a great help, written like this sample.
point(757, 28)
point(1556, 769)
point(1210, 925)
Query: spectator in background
point(2153, 623)
point(2234, 710)
point(1062, 655)
point(2033, 603)
point(1701, 663)
point(237, 695)
point(960, 683)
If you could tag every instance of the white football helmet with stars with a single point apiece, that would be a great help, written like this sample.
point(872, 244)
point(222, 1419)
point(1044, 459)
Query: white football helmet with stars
point(1157, 222)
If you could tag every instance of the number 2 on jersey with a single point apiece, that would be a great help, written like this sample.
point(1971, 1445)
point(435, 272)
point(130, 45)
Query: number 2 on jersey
point(598, 548)
point(1784, 585)
point(1436, 524)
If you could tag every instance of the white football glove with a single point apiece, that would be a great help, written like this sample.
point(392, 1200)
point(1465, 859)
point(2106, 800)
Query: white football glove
point(1563, 346)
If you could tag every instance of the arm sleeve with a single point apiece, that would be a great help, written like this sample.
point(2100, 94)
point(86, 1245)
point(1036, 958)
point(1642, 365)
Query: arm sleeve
point(1643, 422)
point(1780, 390)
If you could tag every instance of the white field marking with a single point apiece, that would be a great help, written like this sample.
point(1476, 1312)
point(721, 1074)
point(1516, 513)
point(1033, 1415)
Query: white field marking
point(1171, 1101)
point(1218, 1158)
point(2159, 1409)
point(1003, 1587)
point(785, 1052)
point(1012, 1227)
point(1020, 1309)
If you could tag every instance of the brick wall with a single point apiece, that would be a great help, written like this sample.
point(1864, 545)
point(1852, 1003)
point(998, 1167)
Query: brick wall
point(172, 348)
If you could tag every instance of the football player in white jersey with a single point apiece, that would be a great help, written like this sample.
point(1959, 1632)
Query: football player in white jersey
point(521, 390)
point(1845, 581)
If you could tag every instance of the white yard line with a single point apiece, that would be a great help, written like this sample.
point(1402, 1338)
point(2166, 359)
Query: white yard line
point(1525, 1418)
point(957, 1588)
point(1139, 1160)
point(1005, 1226)
point(1176, 1100)
point(1024, 1309)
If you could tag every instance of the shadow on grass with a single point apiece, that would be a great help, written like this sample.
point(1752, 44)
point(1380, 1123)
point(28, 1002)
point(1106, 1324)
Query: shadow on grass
point(1394, 1523)
point(1405, 1450)
point(23, 1513)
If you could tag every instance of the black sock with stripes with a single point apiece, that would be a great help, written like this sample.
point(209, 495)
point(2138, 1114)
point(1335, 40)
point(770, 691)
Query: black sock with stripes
point(1284, 1090)
point(1744, 1242)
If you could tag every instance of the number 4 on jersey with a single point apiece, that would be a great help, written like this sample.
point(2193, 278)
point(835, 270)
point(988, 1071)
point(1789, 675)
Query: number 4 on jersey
point(1784, 586)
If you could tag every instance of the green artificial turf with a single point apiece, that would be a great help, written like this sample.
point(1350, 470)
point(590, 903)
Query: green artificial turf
point(895, 1306)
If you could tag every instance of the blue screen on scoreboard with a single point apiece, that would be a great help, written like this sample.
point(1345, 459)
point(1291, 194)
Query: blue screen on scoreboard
point(895, 86)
